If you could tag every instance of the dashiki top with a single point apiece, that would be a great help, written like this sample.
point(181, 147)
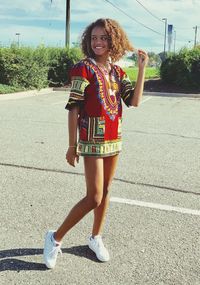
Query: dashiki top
point(99, 93)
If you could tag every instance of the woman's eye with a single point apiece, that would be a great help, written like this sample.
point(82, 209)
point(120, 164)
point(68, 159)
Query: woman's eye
point(104, 38)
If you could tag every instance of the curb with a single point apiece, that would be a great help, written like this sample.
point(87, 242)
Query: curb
point(147, 93)
point(27, 93)
point(164, 94)
point(61, 88)
point(64, 89)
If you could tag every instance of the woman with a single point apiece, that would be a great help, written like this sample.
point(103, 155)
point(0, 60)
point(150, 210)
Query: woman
point(95, 109)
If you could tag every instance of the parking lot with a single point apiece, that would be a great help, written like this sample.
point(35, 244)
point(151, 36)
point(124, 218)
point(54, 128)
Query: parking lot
point(153, 224)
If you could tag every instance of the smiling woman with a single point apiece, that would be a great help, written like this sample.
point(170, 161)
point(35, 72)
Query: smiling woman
point(95, 110)
point(99, 42)
point(111, 35)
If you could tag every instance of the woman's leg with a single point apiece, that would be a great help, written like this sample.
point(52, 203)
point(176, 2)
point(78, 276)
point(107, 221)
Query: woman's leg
point(94, 174)
point(110, 164)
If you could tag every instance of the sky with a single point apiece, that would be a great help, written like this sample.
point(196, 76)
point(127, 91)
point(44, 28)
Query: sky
point(43, 21)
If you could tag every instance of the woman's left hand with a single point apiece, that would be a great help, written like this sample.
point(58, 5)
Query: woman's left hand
point(142, 58)
point(71, 156)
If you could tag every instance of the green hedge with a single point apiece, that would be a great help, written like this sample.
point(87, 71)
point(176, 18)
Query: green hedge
point(60, 62)
point(4, 89)
point(24, 67)
point(31, 68)
point(182, 69)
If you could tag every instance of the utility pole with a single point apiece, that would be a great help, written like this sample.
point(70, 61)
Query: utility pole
point(195, 36)
point(67, 28)
point(165, 38)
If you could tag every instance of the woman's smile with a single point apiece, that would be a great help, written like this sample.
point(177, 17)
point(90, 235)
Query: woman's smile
point(99, 41)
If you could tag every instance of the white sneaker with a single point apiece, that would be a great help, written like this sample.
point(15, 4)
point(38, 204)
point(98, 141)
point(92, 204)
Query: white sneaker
point(96, 244)
point(51, 249)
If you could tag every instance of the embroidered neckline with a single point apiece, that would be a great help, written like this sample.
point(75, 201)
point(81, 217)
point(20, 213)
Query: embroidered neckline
point(108, 99)
point(105, 69)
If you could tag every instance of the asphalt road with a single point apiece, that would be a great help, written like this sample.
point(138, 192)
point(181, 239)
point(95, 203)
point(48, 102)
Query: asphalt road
point(153, 224)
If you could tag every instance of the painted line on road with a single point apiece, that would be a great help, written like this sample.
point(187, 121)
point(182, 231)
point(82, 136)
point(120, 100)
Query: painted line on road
point(146, 99)
point(143, 101)
point(155, 206)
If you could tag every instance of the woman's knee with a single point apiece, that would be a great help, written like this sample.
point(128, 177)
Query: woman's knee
point(94, 201)
point(106, 191)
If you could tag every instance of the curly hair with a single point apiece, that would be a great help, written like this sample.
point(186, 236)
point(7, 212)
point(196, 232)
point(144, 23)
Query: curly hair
point(117, 39)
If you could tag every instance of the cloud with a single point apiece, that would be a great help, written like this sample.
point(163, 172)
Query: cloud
point(45, 20)
point(27, 35)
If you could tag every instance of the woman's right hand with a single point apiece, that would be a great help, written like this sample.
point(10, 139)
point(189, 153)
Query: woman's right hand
point(142, 58)
point(71, 156)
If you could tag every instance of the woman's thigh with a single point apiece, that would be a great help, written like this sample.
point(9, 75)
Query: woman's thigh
point(94, 175)
point(110, 165)
point(99, 173)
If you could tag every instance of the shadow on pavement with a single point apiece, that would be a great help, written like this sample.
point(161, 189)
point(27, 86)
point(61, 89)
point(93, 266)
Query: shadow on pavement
point(81, 251)
point(10, 263)
point(7, 261)
point(19, 265)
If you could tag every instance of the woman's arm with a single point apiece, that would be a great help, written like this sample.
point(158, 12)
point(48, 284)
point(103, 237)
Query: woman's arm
point(138, 90)
point(73, 125)
point(71, 155)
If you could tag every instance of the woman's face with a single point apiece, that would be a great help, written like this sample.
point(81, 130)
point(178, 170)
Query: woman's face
point(99, 42)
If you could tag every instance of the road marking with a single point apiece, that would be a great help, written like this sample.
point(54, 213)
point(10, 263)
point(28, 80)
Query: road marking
point(143, 101)
point(146, 99)
point(155, 206)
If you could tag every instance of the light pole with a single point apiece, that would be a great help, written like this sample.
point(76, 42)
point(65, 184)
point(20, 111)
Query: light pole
point(174, 41)
point(17, 34)
point(195, 36)
point(165, 38)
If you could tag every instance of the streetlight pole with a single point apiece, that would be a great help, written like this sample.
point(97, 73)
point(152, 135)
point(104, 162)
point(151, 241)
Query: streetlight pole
point(67, 29)
point(174, 41)
point(195, 36)
point(165, 38)
point(17, 34)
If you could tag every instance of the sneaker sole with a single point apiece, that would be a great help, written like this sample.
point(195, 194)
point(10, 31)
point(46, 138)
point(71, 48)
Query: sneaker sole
point(102, 260)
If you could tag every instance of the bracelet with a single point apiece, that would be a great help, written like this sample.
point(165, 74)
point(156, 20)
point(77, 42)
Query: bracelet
point(72, 146)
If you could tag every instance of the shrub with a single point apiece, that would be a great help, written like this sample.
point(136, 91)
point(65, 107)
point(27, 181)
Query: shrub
point(36, 68)
point(182, 69)
point(61, 60)
point(9, 89)
point(25, 67)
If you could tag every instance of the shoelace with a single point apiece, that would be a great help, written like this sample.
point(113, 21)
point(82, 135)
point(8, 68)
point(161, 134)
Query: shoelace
point(100, 243)
point(55, 251)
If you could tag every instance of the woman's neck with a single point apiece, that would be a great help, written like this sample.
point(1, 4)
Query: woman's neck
point(102, 60)
point(104, 66)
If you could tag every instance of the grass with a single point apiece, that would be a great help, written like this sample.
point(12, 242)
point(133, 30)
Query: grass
point(4, 89)
point(151, 72)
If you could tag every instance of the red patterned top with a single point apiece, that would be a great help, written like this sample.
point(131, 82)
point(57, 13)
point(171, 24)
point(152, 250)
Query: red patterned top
point(99, 94)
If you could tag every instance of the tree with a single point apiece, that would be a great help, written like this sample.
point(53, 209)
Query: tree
point(154, 59)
